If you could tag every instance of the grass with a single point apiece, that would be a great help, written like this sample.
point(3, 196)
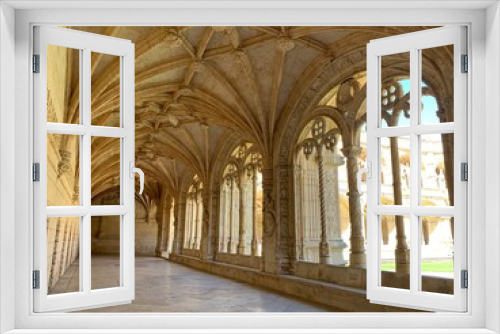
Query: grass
point(442, 266)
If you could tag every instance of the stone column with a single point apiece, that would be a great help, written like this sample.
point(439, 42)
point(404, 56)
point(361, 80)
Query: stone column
point(187, 221)
point(269, 223)
point(299, 209)
point(205, 220)
point(402, 252)
point(178, 226)
point(324, 246)
point(255, 241)
point(166, 240)
point(214, 219)
point(331, 163)
point(223, 219)
point(241, 212)
point(169, 231)
point(199, 217)
point(161, 220)
point(357, 256)
point(230, 240)
point(192, 221)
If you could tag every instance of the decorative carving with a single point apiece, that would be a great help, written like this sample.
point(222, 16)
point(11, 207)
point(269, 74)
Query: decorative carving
point(347, 90)
point(172, 37)
point(169, 115)
point(269, 203)
point(64, 162)
point(314, 92)
point(76, 194)
point(284, 43)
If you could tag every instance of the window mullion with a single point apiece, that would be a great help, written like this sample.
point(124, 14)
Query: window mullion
point(415, 106)
point(86, 172)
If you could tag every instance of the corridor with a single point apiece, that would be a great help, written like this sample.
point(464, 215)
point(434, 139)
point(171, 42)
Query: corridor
point(164, 286)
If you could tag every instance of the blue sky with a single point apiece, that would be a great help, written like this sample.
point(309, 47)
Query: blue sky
point(428, 111)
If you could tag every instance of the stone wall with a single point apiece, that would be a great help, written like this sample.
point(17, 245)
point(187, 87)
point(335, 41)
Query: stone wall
point(62, 246)
point(240, 260)
point(345, 298)
point(356, 277)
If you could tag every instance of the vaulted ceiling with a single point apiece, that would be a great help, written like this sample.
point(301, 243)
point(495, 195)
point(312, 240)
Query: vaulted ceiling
point(202, 90)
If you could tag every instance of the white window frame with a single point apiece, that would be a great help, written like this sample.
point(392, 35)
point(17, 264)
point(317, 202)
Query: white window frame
point(484, 101)
point(86, 43)
point(413, 43)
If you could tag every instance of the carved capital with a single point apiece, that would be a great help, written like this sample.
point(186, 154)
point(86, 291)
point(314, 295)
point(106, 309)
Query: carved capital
point(351, 151)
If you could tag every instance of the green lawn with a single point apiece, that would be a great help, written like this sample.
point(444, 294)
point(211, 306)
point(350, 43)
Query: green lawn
point(444, 266)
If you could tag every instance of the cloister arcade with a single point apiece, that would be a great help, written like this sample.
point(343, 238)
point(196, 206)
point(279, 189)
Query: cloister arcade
point(251, 139)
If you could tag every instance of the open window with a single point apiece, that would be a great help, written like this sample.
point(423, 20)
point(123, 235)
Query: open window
point(400, 125)
point(70, 154)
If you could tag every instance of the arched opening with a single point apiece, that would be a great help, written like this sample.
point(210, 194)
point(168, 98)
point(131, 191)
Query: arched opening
point(240, 227)
point(317, 197)
point(194, 215)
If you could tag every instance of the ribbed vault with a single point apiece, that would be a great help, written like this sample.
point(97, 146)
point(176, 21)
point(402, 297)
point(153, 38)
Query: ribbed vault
point(198, 86)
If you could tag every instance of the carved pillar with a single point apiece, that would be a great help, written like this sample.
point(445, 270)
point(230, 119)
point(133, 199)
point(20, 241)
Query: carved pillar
point(425, 230)
point(241, 212)
point(357, 257)
point(199, 218)
point(331, 163)
point(169, 231)
point(214, 219)
point(299, 209)
point(255, 241)
point(162, 219)
point(223, 219)
point(230, 241)
point(324, 246)
point(178, 226)
point(402, 252)
point(205, 230)
point(269, 222)
point(186, 222)
point(192, 221)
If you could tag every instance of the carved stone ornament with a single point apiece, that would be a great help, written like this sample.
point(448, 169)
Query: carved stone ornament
point(172, 37)
point(64, 162)
point(285, 43)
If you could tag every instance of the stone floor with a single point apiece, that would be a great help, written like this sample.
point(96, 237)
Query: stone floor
point(164, 286)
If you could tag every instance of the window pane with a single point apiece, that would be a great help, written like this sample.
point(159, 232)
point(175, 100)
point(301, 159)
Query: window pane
point(63, 85)
point(105, 259)
point(395, 251)
point(63, 248)
point(105, 89)
point(105, 170)
point(395, 94)
point(437, 254)
point(437, 60)
point(63, 170)
point(437, 170)
point(395, 170)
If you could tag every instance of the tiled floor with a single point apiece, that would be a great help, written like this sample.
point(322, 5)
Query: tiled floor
point(163, 286)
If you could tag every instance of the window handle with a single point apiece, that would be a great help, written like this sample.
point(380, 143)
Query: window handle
point(134, 170)
point(368, 171)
